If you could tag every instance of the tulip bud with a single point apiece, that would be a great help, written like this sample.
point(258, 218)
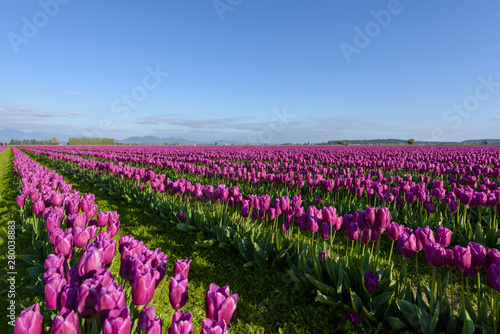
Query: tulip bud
point(66, 322)
point(181, 323)
point(371, 281)
point(178, 292)
point(29, 321)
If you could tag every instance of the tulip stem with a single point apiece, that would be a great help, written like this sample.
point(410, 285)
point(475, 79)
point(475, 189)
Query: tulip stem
point(433, 281)
point(390, 254)
point(478, 287)
point(451, 290)
point(463, 295)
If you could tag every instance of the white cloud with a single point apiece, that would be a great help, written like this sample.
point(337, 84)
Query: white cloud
point(18, 111)
point(73, 93)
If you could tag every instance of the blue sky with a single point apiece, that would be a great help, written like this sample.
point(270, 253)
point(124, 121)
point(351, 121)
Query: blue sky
point(252, 70)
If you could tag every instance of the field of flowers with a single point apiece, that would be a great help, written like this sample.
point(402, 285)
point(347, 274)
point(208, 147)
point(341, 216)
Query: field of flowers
point(388, 238)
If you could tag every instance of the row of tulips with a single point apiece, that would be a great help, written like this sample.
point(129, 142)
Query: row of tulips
point(88, 289)
point(317, 160)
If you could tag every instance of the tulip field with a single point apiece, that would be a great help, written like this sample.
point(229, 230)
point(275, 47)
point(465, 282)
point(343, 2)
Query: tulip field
point(254, 239)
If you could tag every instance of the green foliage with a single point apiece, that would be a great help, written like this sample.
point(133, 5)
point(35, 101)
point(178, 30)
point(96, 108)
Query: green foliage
point(91, 141)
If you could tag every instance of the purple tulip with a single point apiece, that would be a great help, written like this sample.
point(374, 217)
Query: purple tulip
point(493, 256)
point(104, 276)
point(88, 296)
point(181, 324)
point(110, 297)
point(424, 235)
point(102, 218)
point(178, 292)
point(20, 200)
point(462, 257)
point(82, 235)
point(366, 236)
point(108, 250)
point(272, 213)
point(76, 220)
point(435, 255)
point(72, 206)
point(219, 304)
point(394, 230)
point(154, 326)
point(66, 322)
point(453, 206)
point(493, 277)
point(325, 230)
point(117, 322)
point(371, 281)
point(52, 221)
point(143, 286)
point(55, 261)
point(69, 296)
point(209, 326)
point(182, 267)
point(53, 288)
point(407, 245)
point(353, 231)
point(313, 224)
point(38, 207)
point(29, 321)
point(353, 316)
point(478, 254)
point(443, 236)
point(113, 227)
point(148, 313)
point(63, 243)
point(90, 262)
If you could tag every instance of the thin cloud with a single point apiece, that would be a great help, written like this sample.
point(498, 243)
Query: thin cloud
point(18, 111)
point(73, 93)
point(199, 124)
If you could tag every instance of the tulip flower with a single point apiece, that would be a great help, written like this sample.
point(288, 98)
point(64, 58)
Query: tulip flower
point(209, 326)
point(148, 313)
point(219, 304)
point(53, 288)
point(82, 235)
point(143, 286)
point(29, 321)
point(102, 218)
point(154, 326)
point(108, 250)
point(38, 207)
point(478, 254)
point(453, 206)
point(69, 296)
point(371, 281)
point(493, 277)
point(353, 316)
point(353, 231)
point(443, 236)
point(407, 245)
point(117, 322)
point(88, 296)
point(20, 200)
point(424, 235)
point(182, 267)
point(113, 227)
point(55, 261)
point(394, 230)
point(462, 257)
point(178, 292)
point(66, 322)
point(181, 324)
point(435, 255)
point(492, 257)
point(90, 262)
point(52, 221)
point(110, 297)
point(325, 230)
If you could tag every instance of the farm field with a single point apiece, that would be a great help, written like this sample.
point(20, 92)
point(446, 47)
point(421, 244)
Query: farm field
point(252, 239)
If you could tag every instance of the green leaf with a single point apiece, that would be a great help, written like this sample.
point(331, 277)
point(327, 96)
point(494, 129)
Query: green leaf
point(395, 323)
point(410, 311)
point(357, 304)
point(369, 315)
point(28, 258)
point(379, 301)
point(435, 318)
point(328, 300)
point(482, 314)
point(249, 264)
point(186, 228)
point(468, 324)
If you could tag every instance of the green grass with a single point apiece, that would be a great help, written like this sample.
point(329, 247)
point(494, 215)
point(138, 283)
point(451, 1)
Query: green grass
point(10, 212)
point(269, 300)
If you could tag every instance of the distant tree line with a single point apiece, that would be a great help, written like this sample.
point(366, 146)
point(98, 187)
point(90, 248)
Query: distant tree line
point(91, 141)
point(52, 141)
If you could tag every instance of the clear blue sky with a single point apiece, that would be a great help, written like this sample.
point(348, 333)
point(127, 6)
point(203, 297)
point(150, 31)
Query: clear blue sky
point(265, 71)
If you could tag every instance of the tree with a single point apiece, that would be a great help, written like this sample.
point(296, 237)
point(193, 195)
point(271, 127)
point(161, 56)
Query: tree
point(342, 142)
point(55, 141)
point(485, 142)
point(411, 141)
